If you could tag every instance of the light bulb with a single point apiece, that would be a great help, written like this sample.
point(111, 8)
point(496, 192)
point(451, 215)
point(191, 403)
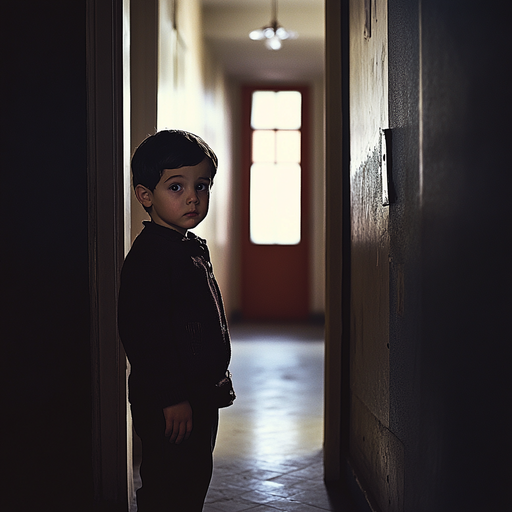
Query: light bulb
point(257, 35)
point(282, 33)
point(269, 32)
point(274, 43)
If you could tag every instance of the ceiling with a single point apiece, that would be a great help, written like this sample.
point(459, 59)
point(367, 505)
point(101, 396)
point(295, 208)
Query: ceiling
point(227, 24)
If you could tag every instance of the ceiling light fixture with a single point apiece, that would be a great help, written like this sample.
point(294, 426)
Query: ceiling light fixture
point(273, 34)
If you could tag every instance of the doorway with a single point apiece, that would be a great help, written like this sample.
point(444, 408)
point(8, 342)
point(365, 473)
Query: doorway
point(148, 93)
point(275, 203)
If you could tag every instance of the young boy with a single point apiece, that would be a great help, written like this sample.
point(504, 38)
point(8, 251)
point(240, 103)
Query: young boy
point(172, 323)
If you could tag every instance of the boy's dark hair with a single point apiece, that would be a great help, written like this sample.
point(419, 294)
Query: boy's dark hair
point(168, 149)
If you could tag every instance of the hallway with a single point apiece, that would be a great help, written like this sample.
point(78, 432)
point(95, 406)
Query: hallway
point(268, 455)
point(269, 449)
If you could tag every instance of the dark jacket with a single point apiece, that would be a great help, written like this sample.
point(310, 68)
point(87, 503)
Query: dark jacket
point(171, 319)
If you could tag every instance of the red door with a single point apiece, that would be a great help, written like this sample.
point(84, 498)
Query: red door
point(275, 273)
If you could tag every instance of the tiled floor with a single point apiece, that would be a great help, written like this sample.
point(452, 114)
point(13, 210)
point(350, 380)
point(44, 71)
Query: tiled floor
point(266, 486)
point(269, 450)
point(268, 455)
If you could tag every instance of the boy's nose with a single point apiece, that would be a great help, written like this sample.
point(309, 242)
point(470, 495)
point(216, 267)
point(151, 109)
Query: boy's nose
point(192, 198)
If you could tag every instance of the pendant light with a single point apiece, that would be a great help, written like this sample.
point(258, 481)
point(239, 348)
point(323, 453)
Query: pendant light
point(273, 34)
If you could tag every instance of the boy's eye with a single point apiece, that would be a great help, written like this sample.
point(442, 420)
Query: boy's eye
point(175, 187)
point(201, 187)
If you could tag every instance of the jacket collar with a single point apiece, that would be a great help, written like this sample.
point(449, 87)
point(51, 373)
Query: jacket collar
point(170, 233)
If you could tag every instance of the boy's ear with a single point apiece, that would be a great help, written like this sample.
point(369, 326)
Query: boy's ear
point(144, 196)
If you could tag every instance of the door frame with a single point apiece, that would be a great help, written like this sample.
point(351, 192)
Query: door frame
point(337, 249)
point(107, 116)
point(306, 164)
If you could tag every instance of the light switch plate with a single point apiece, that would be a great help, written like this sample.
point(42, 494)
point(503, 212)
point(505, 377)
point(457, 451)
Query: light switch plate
point(384, 168)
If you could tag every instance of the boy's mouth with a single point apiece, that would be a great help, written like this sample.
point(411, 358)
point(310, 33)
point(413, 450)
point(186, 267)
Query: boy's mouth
point(193, 213)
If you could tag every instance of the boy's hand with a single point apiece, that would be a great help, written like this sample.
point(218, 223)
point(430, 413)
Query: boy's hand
point(178, 422)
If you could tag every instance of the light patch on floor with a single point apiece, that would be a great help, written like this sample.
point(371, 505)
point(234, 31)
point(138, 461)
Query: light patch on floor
point(278, 412)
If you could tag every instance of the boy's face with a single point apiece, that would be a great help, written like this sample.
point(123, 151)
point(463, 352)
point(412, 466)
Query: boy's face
point(181, 198)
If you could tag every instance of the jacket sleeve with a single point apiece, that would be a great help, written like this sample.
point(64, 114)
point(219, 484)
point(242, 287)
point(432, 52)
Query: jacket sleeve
point(146, 301)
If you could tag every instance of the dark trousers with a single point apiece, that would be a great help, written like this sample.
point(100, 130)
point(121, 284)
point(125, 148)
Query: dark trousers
point(175, 477)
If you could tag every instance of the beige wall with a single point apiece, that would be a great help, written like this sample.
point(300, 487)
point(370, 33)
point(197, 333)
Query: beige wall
point(177, 85)
point(180, 94)
point(143, 81)
point(191, 96)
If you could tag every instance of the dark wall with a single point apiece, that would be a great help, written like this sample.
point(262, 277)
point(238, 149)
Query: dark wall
point(466, 249)
point(45, 281)
point(450, 231)
point(405, 243)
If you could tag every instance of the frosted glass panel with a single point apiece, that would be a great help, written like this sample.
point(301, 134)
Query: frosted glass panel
point(288, 110)
point(275, 204)
point(263, 109)
point(264, 146)
point(280, 110)
point(288, 146)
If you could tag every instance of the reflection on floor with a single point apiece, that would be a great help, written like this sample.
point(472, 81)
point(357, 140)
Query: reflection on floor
point(269, 450)
point(268, 455)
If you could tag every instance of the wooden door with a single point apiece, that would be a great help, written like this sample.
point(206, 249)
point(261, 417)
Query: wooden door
point(275, 274)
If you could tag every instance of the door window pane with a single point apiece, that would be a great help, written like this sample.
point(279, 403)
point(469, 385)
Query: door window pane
point(281, 109)
point(288, 110)
point(287, 146)
point(264, 146)
point(275, 174)
point(263, 110)
point(275, 204)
